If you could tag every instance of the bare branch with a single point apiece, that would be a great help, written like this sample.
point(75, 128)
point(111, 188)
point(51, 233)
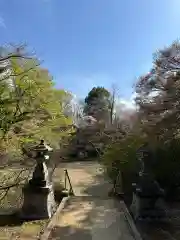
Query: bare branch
point(19, 74)
point(17, 183)
point(3, 59)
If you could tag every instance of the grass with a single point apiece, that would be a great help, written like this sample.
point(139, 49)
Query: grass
point(28, 230)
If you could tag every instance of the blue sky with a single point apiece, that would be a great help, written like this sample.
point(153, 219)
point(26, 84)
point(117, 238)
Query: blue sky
point(86, 43)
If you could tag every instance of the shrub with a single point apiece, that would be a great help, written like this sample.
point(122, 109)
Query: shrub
point(122, 156)
point(167, 167)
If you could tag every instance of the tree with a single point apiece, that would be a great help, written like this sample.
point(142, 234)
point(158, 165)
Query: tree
point(97, 104)
point(30, 109)
point(113, 103)
point(158, 93)
point(74, 109)
point(156, 122)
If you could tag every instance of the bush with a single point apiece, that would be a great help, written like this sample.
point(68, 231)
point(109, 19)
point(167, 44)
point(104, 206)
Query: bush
point(167, 167)
point(122, 156)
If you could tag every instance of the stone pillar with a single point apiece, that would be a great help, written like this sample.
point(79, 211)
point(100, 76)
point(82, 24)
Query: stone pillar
point(38, 194)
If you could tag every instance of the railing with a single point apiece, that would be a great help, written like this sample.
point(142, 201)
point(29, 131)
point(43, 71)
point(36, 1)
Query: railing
point(67, 181)
point(118, 185)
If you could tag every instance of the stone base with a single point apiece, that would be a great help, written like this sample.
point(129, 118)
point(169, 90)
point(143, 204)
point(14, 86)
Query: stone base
point(38, 203)
point(152, 214)
point(143, 208)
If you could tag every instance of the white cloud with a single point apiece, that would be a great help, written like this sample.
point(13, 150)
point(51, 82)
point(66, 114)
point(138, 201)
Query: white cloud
point(2, 22)
point(127, 103)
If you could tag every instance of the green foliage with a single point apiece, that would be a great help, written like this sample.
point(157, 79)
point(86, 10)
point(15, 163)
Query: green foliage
point(97, 103)
point(122, 155)
point(167, 167)
point(96, 93)
point(31, 108)
point(157, 120)
point(160, 112)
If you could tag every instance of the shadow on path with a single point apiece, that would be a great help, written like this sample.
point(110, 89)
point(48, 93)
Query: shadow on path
point(91, 214)
point(70, 233)
point(89, 217)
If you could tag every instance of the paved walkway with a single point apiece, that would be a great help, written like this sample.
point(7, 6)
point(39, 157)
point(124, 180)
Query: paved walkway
point(87, 218)
point(91, 214)
point(87, 178)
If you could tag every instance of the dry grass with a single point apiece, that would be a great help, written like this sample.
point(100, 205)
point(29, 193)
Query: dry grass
point(26, 231)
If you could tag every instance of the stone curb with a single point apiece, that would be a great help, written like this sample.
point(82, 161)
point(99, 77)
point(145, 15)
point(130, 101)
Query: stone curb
point(52, 223)
point(130, 223)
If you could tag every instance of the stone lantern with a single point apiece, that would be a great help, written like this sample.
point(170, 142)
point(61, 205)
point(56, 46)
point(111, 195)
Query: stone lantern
point(146, 191)
point(38, 193)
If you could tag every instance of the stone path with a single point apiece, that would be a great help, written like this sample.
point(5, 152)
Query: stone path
point(86, 218)
point(87, 178)
point(91, 214)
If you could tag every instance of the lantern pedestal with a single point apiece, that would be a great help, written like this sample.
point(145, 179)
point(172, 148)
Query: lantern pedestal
point(38, 203)
point(38, 194)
